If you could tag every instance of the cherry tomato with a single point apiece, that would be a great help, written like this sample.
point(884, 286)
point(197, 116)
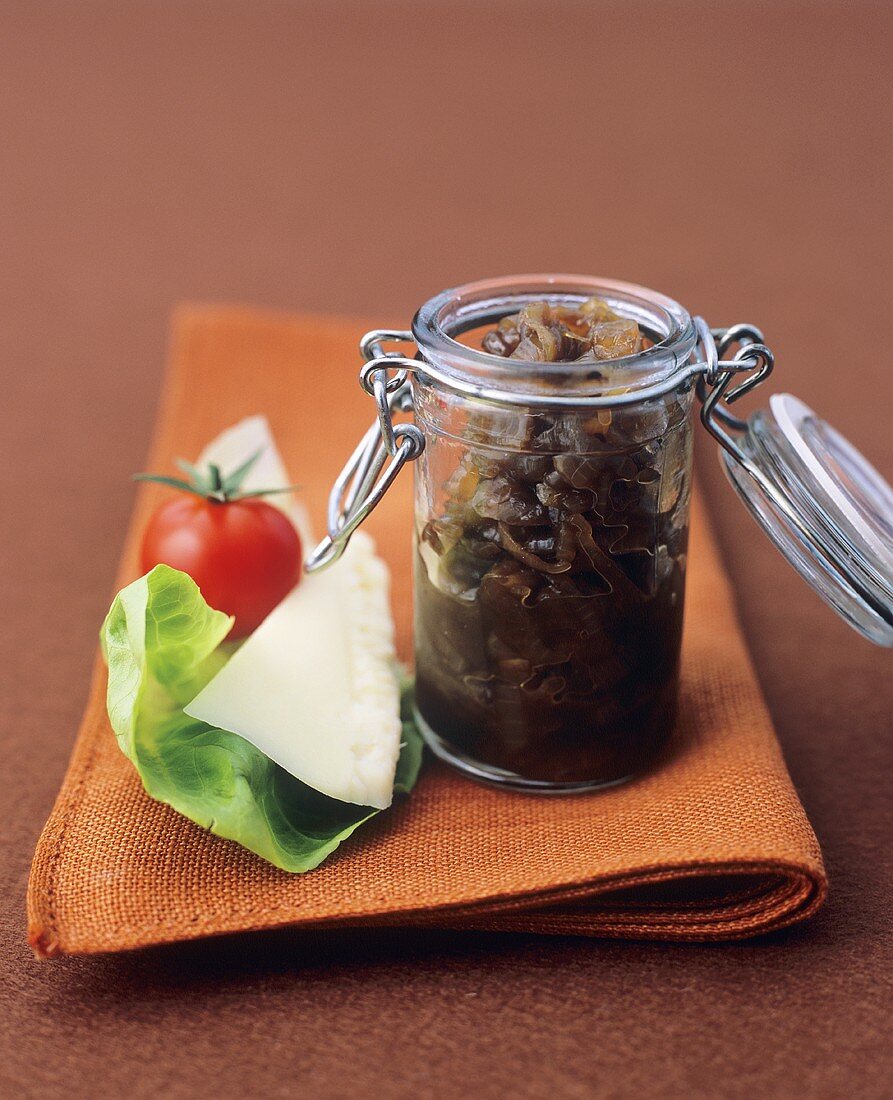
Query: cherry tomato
point(244, 555)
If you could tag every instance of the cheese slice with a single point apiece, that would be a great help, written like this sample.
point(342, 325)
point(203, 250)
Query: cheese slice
point(314, 687)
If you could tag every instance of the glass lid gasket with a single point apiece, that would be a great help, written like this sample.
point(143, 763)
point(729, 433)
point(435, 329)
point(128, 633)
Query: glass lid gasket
point(821, 574)
point(806, 536)
point(844, 537)
point(848, 468)
point(830, 550)
point(840, 477)
point(660, 369)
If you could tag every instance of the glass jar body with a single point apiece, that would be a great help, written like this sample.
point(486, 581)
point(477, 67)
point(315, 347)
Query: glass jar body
point(552, 500)
point(549, 584)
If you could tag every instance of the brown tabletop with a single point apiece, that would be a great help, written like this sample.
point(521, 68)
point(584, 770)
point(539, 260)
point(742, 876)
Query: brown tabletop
point(356, 158)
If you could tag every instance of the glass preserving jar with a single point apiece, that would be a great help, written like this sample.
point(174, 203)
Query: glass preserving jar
point(552, 502)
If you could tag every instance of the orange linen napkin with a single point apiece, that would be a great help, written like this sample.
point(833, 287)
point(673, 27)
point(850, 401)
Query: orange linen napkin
point(713, 844)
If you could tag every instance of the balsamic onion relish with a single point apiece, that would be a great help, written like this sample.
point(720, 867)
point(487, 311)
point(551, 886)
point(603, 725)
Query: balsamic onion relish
point(550, 586)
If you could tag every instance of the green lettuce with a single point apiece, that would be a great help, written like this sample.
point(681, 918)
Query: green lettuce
point(162, 644)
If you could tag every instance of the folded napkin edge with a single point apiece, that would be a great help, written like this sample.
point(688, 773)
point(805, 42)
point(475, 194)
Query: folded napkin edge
point(789, 893)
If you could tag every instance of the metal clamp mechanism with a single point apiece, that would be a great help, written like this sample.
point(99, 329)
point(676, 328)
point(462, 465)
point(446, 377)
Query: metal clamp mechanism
point(386, 447)
point(382, 452)
point(717, 374)
point(713, 390)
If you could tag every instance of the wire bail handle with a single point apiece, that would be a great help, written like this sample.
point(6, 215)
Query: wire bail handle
point(713, 391)
point(752, 357)
point(382, 452)
point(715, 395)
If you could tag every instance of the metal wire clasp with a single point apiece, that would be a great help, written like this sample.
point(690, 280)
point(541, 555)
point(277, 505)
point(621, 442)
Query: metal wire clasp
point(382, 452)
point(713, 388)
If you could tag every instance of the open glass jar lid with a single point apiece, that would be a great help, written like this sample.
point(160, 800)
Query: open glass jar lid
point(824, 506)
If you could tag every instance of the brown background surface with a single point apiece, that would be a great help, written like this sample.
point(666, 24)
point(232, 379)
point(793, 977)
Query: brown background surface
point(357, 157)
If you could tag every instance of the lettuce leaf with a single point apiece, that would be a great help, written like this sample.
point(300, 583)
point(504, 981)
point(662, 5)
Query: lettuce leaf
point(162, 644)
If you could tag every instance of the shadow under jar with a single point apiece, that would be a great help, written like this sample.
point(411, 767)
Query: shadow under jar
point(550, 542)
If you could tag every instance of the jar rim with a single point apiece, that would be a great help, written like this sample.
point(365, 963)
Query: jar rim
point(443, 318)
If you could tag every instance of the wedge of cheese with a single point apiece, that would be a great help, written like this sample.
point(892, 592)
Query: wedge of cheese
point(314, 687)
